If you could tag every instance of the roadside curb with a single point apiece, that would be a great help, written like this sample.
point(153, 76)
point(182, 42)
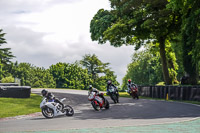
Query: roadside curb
point(21, 116)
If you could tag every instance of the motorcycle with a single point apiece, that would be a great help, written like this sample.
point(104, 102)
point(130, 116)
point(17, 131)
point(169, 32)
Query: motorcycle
point(133, 92)
point(97, 102)
point(52, 109)
point(114, 95)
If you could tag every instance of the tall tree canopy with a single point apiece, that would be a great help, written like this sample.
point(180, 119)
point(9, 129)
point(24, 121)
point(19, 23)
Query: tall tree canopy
point(5, 55)
point(98, 71)
point(132, 22)
point(93, 65)
point(190, 31)
point(71, 76)
point(31, 75)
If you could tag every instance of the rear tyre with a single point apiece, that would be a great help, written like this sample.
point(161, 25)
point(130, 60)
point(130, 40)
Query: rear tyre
point(107, 105)
point(69, 110)
point(48, 112)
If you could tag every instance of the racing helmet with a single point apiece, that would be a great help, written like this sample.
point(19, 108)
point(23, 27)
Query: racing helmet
point(129, 81)
point(109, 82)
point(44, 92)
point(90, 87)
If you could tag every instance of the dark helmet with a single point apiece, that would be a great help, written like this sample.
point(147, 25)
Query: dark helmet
point(109, 82)
point(90, 87)
point(44, 92)
point(129, 81)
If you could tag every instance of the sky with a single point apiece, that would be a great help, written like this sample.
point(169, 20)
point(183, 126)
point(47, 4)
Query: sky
point(45, 32)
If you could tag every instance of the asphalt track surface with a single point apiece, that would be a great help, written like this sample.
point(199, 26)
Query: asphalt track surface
point(129, 112)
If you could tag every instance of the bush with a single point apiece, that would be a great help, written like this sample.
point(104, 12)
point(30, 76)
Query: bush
point(161, 84)
point(9, 79)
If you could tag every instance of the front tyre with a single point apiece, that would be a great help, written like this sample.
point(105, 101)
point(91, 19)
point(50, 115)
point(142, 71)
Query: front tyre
point(48, 112)
point(114, 98)
point(95, 106)
point(136, 95)
point(69, 110)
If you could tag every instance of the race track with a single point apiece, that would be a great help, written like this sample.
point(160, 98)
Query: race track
point(128, 112)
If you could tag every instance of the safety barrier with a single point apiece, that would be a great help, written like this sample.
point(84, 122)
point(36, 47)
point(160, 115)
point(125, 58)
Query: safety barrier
point(9, 84)
point(15, 91)
point(191, 93)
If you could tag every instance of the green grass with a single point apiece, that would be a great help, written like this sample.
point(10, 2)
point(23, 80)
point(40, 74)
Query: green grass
point(19, 106)
point(125, 94)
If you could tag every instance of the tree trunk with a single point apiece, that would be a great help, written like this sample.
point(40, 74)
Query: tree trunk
point(168, 80)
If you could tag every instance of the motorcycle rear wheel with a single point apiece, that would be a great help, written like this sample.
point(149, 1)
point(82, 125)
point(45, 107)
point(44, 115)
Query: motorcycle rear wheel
point(69, 110)
point(48, 112)
point(107, 106)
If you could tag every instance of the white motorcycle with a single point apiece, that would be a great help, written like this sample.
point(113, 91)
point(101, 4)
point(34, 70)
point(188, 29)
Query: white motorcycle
point(52, 109)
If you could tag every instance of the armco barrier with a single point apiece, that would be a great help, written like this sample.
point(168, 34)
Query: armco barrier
point(15, 91)
point(9, 84)
point(191, 93)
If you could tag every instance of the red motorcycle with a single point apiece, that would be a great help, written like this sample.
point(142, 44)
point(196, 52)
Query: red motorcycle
point(98, 102)
point(133, 92)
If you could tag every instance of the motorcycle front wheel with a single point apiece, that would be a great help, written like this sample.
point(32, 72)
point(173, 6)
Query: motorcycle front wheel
point(95, 106)
point(136, 95)
point(48, 112)
point(69, 110)
point(114, 98)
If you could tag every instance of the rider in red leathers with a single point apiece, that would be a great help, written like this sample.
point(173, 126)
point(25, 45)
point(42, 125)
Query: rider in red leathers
point(130, 84)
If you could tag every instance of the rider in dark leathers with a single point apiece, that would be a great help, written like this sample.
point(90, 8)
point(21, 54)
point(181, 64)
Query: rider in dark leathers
point(51, 98)
point(109, 86)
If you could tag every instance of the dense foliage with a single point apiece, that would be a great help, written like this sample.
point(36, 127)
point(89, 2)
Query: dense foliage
point(98, 71)
point(161, 22)
point(5, 56)
point(145, 69)
point(190, 33)
point(167, 31)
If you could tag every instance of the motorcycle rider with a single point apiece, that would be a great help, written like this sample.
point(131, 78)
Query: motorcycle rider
point(51, 98)
point(109, 86)
point(130, 84)
point(91, 89)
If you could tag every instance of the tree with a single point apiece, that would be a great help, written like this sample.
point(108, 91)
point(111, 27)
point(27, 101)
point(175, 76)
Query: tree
point(134, 22)
point(5, 55)
point(33, 76)
point(98, 71)
point(190, 10)
point(145, 68)
point(93, 65)
point(71, 76)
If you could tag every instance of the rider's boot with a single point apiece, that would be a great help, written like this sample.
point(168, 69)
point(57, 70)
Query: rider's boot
point(62, 108)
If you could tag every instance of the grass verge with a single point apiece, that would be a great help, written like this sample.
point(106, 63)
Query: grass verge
point(125, 94)
point(19, 106)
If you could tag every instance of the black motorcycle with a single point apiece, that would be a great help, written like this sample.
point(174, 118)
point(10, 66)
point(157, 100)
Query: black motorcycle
point(113, 93)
